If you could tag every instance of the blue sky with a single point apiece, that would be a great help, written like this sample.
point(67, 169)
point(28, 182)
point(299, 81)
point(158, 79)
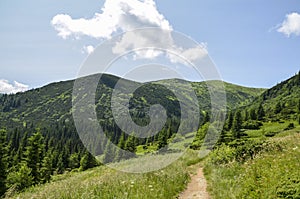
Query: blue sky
point(242, 38)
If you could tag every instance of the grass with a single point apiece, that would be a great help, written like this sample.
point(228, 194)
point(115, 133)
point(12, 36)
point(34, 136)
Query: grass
point(103, 182)
point(270, 127)
point(272, 173)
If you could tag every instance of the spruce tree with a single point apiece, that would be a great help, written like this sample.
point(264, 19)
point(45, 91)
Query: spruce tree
point(130, 144)
point(21, 178)
point(74, 161)
point(46, 169)
point(3, 161)
point(278, 108)
point(237, 124)
point(22, 147)
point(253, 115)
point(60, 168)
point(87, 161)
point(229, 120)
point(162, 139)
point(260, 112)
point(34, 155)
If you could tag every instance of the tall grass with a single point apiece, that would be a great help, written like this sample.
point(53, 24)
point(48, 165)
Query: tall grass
point(270, 174)
point(103, 182)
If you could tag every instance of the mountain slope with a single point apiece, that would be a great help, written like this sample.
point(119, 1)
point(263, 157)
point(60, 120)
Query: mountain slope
point(52, 103)
point(281, 101)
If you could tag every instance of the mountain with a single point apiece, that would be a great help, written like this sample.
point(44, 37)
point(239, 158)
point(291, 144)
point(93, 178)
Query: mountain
point(281, 101)
point(52, 103)
point(41, 120)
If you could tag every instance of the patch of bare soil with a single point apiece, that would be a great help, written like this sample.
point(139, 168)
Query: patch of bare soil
point(196, 189)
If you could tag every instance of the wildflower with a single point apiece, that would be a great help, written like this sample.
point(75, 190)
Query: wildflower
point(295, 148)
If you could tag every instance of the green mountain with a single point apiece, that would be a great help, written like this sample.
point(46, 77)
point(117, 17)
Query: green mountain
point(49, 110)
point(281, 101)
point(52, 103)
point(41, 120)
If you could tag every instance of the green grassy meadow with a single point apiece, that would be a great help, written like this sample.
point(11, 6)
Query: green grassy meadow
point(103, 182)
point(273, 172)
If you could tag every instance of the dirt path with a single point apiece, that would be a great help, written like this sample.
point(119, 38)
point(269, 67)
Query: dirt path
point(196, 189)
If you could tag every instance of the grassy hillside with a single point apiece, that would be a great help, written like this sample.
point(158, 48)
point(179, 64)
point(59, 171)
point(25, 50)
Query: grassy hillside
point(258, 155)
point(105, 183)
point(260, 169)
point(52, 103)
point(281, 101)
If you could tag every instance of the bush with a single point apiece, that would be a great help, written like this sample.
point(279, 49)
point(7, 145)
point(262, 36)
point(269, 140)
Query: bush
point(252, 124)
point(242, 152)
point(290, 127)
point(222, 155)
point(289, 188)
point(270, 134)
point(21, 178)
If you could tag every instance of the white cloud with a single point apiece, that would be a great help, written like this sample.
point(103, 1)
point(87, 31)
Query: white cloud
point(88, 49)
point(133, 40)
point(291, 25)
point(6, 87)
point(191, 54)
point(116, 15)
point(124, 16)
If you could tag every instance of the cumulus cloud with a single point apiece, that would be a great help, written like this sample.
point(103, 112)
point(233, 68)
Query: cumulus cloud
point(15, 87)
point(124, 16)
point(88, 49)
point(191, 54)
point(291, 25)
point(116, 15)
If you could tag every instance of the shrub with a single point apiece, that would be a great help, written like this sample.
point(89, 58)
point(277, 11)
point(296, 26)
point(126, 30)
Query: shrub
point(290, 126)
point(289, 188)
point(252, 124)
point(222, 155)
point(225, 154)
point(270, 134)
point(21, 178)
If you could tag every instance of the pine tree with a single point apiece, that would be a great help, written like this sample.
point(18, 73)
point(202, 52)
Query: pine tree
point(162, 139)
point(237, 125)
point(60, 168)
point(130, 147)
point(46, 169)
point(260, 112)
point(229, 120)
point(3, 161)
point(298, 106)
point(74, 161)
point(22, 147)
point(121, 142)
point(278, 108)
point(130, 144)
point(34, 155)
point(253, 115)
point(87, 161)
point(246, 116)
point(21, 178)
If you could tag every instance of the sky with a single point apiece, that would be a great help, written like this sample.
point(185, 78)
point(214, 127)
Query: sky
point(252, 42)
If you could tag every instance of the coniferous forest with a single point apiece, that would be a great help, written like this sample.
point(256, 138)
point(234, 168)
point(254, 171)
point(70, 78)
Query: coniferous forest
point(38, 137)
